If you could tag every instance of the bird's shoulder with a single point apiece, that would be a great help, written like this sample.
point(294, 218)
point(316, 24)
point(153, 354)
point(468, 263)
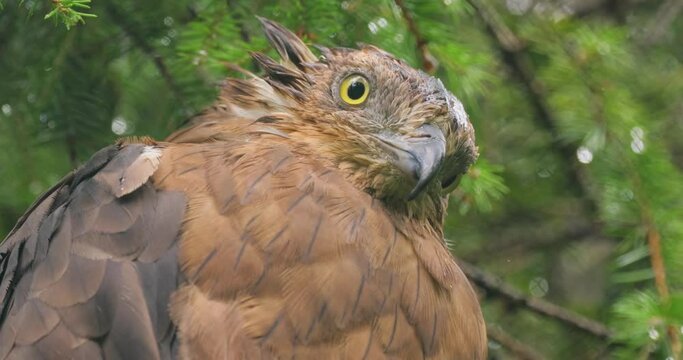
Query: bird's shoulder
point(78, 269)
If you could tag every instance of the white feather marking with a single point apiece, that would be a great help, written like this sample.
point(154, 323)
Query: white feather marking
point(139, 171)
point(152, 154)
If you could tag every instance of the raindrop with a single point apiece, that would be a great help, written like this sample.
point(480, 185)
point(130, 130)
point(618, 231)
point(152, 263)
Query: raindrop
point(447, 2)
point(373, 27)
point(42, 118)
point(399, 38)
point(345, 5)
point(538, 287)
point(613, 208)
point(119, 125)
point(493, 345)
point(7, 109)
point(202, 52)
point(637, 142)
point(544, 173)
point(166, 41)
point(382, 22)
point(584, 155)
point(638, 146)
point(168, 21)
point(637, 133)
point(627, 194)
point(603, 49)
point(31, 98)
point(653, 334)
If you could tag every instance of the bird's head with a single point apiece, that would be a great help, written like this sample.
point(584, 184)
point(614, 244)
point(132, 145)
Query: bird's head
point(394, 131)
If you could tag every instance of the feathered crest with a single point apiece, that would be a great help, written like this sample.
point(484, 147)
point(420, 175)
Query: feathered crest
point(289, 75)
point(292, 50)
point(283, 84)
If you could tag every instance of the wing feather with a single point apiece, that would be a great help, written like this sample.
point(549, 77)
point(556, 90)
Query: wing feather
point(88, 271)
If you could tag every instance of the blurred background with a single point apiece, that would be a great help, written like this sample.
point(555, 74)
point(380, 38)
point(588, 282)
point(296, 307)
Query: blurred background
point(571, 222)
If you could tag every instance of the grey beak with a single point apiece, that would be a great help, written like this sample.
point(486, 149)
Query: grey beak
point(418, 154)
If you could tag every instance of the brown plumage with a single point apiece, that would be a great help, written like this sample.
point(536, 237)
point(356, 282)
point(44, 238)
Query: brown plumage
point(284, 222)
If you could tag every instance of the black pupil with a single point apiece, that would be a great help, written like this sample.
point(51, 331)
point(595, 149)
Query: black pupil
point(356, 90)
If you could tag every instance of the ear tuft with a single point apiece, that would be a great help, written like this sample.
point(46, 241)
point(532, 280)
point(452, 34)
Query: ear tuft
point(290, 77)
point(286, 43)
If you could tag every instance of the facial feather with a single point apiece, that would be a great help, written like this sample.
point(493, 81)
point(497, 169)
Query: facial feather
point(365, 141)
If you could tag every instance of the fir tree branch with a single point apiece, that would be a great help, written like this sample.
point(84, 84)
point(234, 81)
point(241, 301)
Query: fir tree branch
point(233, 6)
point(427, 61)
point(244, 34)
point(513, 54)
point(496, 287)
point(512, 50)
point(70, 12)
point(139, 41)
point(659, 270)
point(515, 347)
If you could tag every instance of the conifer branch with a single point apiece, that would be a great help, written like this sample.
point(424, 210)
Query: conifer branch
point(138, 40)
point(427, 61)
point(515, 347)
point(513, 54)
point(244, 33)
point(237, 17)
point(496, 287)
point(654, 243)
point(70, 12)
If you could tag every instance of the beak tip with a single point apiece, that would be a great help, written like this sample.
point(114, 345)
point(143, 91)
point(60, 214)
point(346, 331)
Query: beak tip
point(422, 182)
point(419, 157)
point(413, 194)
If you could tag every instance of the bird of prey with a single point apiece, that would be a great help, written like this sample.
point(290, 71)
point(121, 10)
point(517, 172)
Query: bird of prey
point(299, 217)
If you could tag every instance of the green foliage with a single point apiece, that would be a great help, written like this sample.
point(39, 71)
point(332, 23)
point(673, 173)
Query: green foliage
point(644, 321)
point(70, 12)
point(581, 220)
point(481, 188)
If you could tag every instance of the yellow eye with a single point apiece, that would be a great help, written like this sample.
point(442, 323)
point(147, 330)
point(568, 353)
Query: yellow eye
point(354, 90)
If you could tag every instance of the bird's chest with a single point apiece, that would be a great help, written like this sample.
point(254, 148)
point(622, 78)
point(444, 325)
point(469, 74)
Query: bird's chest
point(285, 258)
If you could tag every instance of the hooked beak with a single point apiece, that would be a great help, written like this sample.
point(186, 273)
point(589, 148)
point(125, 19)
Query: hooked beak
point(418, 154)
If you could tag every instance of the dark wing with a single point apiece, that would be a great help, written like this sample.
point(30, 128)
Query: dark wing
point(88, 271)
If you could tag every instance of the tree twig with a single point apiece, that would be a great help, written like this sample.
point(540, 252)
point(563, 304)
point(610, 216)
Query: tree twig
point(662, 20)
point(657, 263)
point(428, 62)
point(512, 345)
point(496, 287)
